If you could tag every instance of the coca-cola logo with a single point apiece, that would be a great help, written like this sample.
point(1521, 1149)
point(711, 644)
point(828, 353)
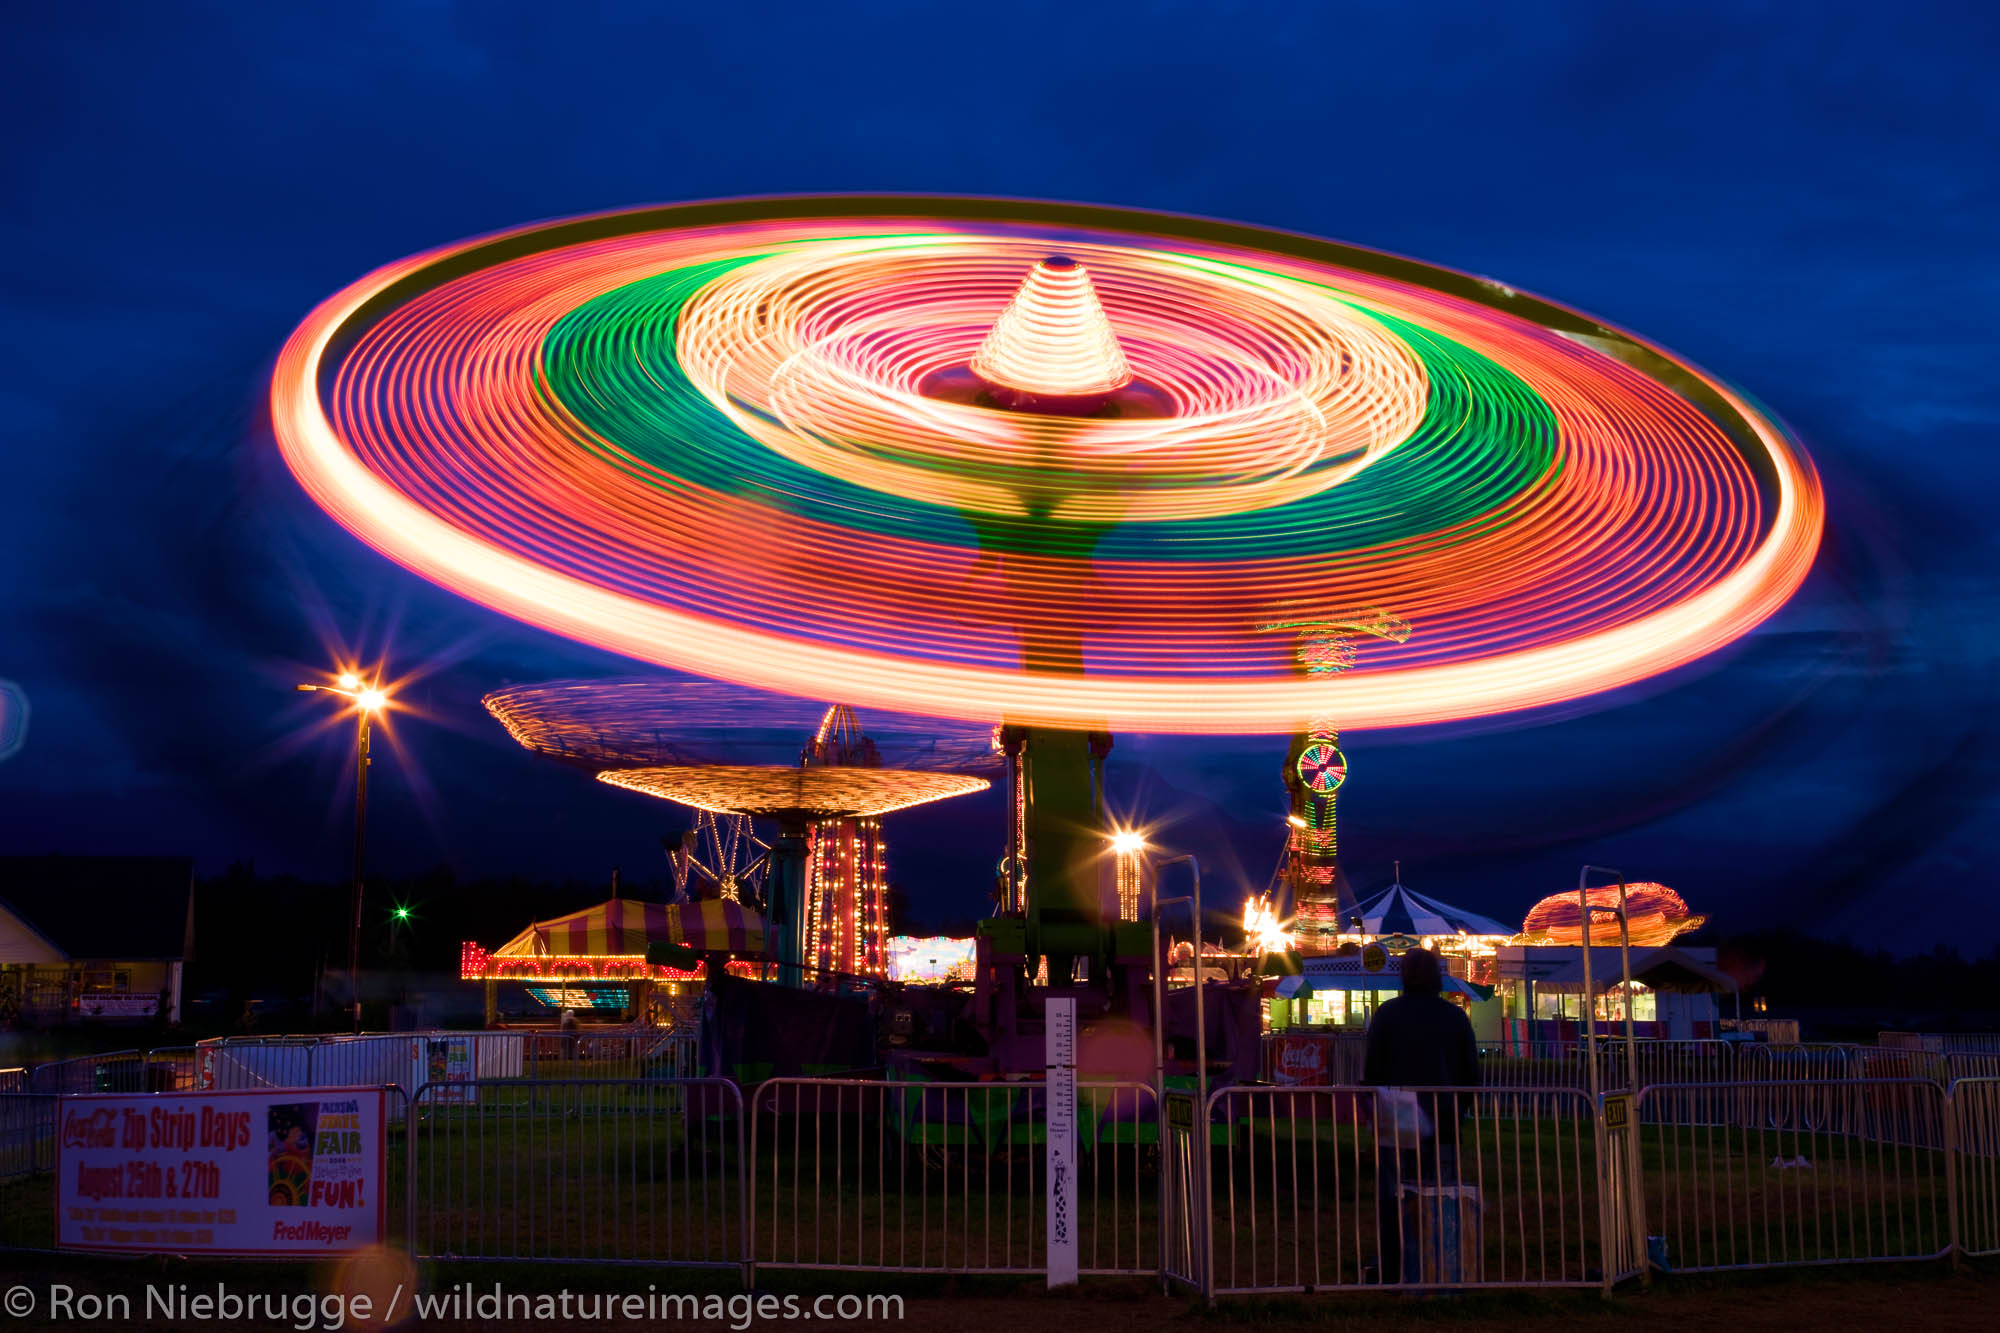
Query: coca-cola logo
point(90, 1129)
point(1301, 1059)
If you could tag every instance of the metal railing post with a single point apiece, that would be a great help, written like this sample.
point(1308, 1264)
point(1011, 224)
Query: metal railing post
point(410, 1131)
point(746, 1185)
point(1951, 1137)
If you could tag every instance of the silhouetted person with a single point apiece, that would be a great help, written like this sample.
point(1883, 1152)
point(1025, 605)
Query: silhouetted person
point(1417, 1040)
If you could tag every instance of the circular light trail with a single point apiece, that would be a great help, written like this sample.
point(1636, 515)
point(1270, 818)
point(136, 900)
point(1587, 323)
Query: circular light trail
point(645, 722)
point(816, 793)
point(757, 440)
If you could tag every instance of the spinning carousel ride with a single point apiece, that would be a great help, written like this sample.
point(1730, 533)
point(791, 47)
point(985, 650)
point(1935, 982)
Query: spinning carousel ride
point(1060, 465)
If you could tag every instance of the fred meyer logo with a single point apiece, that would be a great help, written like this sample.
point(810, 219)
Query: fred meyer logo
point(90, 1129)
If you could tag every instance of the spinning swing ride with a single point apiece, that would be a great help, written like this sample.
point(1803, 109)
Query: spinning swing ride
point(731, 754)
point(1080, 469)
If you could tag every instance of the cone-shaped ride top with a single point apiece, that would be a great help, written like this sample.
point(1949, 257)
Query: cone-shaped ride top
point(813, 793)
point(1053, 339)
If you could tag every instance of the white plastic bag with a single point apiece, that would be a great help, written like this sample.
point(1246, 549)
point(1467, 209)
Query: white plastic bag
point(1398, 1109)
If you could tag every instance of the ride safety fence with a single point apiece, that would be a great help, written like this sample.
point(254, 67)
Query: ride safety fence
point(515, 1156)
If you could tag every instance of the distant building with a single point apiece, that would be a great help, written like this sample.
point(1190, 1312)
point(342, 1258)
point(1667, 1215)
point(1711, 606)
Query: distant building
point(94, 939)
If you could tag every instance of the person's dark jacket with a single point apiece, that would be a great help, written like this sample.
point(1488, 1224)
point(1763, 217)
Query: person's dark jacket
point(1421, 1041)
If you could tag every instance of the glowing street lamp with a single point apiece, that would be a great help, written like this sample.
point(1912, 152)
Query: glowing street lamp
point(368, 700)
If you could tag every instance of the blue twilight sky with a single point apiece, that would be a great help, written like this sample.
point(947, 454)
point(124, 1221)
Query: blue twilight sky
point(1800, 197)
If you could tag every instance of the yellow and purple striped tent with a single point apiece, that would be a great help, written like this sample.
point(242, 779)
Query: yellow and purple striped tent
point(624, 927)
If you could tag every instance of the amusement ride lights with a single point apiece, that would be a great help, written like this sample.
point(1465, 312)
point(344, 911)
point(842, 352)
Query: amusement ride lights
point(645, 721)
point(888, 443)
point(1128, 847)
point(1053, 338)
point(691, 739)
point(826, 905)
point(1315, 771)
point(1654, 915)
point(675, 433)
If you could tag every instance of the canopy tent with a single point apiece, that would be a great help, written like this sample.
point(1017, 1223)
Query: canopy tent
point(623, 927)
point(1400, 911)
point(1662, 969)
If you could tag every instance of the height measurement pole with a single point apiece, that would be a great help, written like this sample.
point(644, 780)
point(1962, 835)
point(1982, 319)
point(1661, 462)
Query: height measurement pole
point(1059, 1039)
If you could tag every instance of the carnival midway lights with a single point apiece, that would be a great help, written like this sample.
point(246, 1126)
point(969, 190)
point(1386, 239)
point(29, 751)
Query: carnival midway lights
point(1078, 469)
point(822, 880)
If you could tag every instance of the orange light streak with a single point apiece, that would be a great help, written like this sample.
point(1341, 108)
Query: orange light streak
point(1667, 528)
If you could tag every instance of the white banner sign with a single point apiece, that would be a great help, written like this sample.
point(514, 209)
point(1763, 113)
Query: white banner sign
point(1059, 1038)
point(117, 1004)
point(278, 1171)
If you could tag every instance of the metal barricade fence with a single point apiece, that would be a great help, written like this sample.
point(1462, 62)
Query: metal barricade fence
point(1293, 1190)
point(234, 1064)
point(109, 1071)
point(1661, 1060)
point(27, 1134)
point(1799, 1062)
point(600, 1171)
point(1960, 1065)
point(27, 1171)
point(627, 1053)
point(172, 1069)
point(1519, 1063)
point(411, 1059)
point(1810, 1173)
point(1970, 1043)
point(1939, 1043)
point(1975, 1125)
point(1687, 1067)
point(1309, 1191)
point(1865, 1062)
point(945, 1177)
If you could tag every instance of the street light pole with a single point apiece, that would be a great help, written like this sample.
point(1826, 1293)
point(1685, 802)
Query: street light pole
point(368, 700)
point(360, 856)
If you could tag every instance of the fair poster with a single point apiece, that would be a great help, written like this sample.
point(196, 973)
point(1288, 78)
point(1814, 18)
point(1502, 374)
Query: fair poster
point(276, 1171)
point(444, 1064)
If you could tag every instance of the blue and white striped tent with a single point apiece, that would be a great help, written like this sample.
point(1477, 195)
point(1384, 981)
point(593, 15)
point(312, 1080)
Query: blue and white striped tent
point(1398, 911)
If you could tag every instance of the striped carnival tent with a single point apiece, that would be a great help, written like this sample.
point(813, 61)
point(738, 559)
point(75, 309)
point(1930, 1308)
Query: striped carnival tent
point(1399, 911)
point(625, 927)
